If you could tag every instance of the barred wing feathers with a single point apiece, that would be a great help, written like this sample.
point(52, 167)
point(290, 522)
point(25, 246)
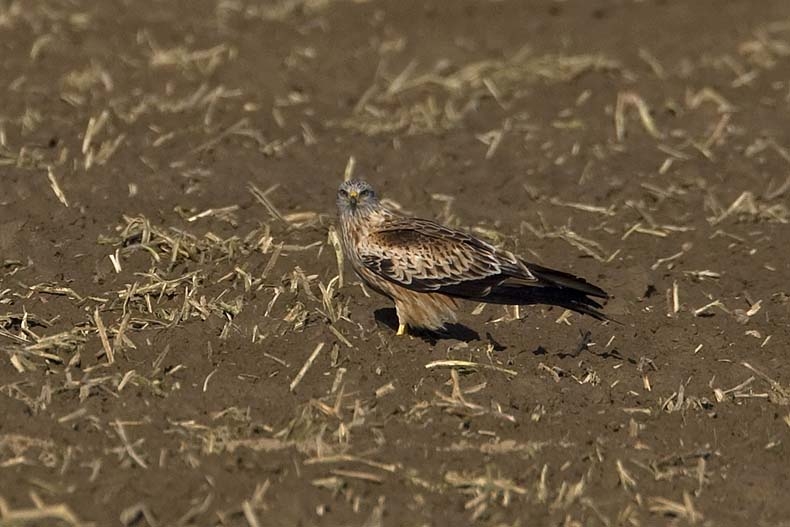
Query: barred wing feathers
point(423, 256)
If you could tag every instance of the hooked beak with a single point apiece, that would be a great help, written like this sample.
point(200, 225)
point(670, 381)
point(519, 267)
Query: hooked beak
point(353, 198)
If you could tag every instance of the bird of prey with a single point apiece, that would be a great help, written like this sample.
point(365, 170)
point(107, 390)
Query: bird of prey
point(424, 267)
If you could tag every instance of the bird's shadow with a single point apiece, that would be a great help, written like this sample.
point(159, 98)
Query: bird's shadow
point(389, 317)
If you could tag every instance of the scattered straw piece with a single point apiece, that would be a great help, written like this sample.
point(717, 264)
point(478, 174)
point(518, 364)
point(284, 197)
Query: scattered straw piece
point(33, 516)
point(116, 262)
point(653, 62)
point(53, 182)
point(694, 100)
point(684, 510)
point(782, 393)
point(704, 309)
point(249, 514)
point(334, 239)
point(626, 480)
point(263, 199)
point(348, 173)
point(346, 458)
point(306, 366)
point(94, 127)
point(465, 364)
point(220, 212)
point(365, 476)
point(606, 211)
point(385, 390)
point(208, 378)
point(629, 98)
point(342, 338)
point(105, 342)
point(127, 445)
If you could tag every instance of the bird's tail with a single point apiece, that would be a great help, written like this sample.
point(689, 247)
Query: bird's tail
point(553, 288)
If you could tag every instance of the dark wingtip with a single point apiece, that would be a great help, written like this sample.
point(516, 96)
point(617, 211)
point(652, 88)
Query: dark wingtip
point(552, 295)
point(582, 304)
point(596, 314)
point(566, 281)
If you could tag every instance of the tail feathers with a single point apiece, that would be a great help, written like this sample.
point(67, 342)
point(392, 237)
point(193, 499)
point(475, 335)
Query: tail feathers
point(516, 288)
point(553, 288)
point(574, 300)
point(567, 281)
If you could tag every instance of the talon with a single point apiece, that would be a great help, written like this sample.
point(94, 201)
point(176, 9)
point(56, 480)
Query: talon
point(401, 330)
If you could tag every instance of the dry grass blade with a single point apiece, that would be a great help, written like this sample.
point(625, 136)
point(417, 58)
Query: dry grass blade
point(606, 211)
point(347, 458)
point(334, 239)
point(707, 94)
point(704, 310)
point(468, 365)
point(626, 480)
point(484, 490)
point(119, 428)
point(47, 347)
point(747, 205)
point(781, 394)
point(356, 474)
point(44, 513)
point(306, 366)
point(249, 514)
point(222, 212)
point(348, 173)
point(105, 342)
point(132, 515)
point(342, 338)
point(264, 200)
point(625, 100)
point(585, 245)
point(685, 510)
point(239, 127)
point(53, 182)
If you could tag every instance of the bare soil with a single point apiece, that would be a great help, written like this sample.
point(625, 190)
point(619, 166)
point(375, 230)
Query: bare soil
point(179, 346)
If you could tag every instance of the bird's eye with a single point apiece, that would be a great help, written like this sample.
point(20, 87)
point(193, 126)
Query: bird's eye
point(342, 193)
point(365, 193)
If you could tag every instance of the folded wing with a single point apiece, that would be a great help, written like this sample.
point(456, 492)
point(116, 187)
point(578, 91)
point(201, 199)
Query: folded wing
point(424, 256)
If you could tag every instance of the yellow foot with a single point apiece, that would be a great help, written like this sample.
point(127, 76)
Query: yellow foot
point(401, 330)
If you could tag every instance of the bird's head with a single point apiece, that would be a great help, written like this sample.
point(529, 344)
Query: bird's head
point(356, 196)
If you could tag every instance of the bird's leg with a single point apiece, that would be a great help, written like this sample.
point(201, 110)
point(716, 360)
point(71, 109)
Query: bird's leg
point(401, 324)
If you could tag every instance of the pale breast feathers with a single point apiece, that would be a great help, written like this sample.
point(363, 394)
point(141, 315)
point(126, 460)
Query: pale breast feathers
point(424, 256)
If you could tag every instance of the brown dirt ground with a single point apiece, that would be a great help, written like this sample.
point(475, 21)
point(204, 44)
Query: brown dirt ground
point(168, 175)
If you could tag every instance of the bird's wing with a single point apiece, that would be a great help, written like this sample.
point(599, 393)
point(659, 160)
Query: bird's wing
point(424, 256)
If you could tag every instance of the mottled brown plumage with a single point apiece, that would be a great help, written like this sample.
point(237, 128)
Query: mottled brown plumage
point(424, 266)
